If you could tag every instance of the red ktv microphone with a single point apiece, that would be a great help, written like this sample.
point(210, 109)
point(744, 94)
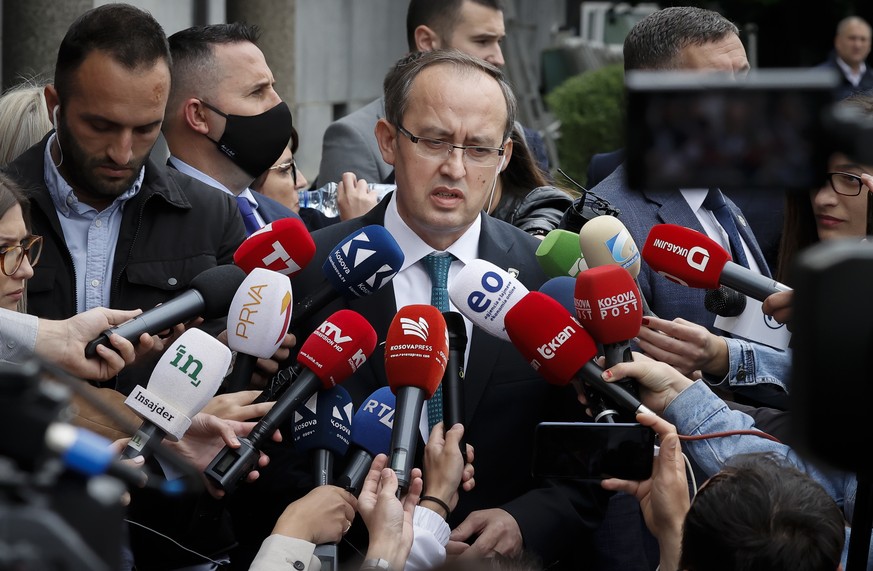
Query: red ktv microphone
point(283, 246)
point(334, 351)
point(559, 349)
point(692, 259)
point(605, 241)
point(416, 354)
point(256, 323)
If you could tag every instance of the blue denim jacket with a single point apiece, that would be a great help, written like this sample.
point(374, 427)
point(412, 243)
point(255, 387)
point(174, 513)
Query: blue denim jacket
point(754, 364)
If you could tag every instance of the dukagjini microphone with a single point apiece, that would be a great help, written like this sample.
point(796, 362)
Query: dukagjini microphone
point(185, 378)
point(559, 349)
point(332, 353)
point(605, 241)
point(283, 246)
point(208, 295)
point(323, 429)
point(562, 289)
point(358, 266)
point(693, 259)
point(608, 307)
point(257, 321)
point(724, 301)
point(559, 254)
point(454, 411)
point(483, 293)
point(416, 355)
point(371, 436)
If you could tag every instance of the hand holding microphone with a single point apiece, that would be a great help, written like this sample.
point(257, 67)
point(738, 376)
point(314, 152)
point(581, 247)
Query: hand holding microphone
point(185, 378)
point(371, 435)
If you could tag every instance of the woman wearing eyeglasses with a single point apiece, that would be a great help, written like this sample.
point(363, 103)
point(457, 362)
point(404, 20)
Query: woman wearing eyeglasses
point(19, 249)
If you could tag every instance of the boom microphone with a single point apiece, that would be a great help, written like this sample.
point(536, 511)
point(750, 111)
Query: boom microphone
point(555, 345)
point(323, 428)
point(605, 241)
point(362, 263)
point(187, 375)
point(484, 293)
point(371, 435)
point(559, 254)
point(416, 354)
point(334, 351)
point(283, 246)
point(256, 323)
point(692, 259)
point(453, 387)
point(209, 296)
point(724, 301)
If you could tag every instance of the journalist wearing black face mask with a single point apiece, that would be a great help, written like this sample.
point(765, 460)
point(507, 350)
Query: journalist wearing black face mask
point(254, 142)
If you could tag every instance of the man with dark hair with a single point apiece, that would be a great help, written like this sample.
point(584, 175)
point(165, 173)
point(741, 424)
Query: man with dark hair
point(438, 106)
point(849, 57)
point(120, 230)
point(225, 125)
point(474, 27)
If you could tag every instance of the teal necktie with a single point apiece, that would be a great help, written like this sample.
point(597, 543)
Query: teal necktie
point(437, 266)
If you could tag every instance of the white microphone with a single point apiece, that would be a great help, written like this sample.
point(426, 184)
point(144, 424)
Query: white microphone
point(259, 316)
point(187, 375)
point(484, 293)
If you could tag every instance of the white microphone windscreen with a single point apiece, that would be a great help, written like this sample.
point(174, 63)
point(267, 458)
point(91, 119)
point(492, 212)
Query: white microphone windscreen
point(604, 240)
point(260, 313)
point(484, 293)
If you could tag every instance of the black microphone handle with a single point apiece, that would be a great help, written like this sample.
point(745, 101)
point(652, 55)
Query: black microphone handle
point(312, 304)
point(241, 374)
point(306, 385)
point(280, 382)
point(620, 352)
point(748, 282)
point(647, 311)
point(183, 307)
point(404, 435)
point(590, 374)
point(322, 467)
point(453, 395)
point(143, 442)
point(357, 468)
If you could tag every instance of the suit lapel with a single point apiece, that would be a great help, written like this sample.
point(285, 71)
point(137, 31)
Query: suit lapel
point(673, 211)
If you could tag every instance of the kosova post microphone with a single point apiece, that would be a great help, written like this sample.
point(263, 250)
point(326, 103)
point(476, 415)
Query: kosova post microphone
point(209, 296)
point(559, 254)
point(692, 259)
point(334, 351)
point(605, 241)
point(283, 246)
point(453, 386)
point(371, 436)
point(257, 321)
point(484, 293)
point(559, 349)
point(187, 375)
point(323, 429)
point(362, 263)
point(416, 354)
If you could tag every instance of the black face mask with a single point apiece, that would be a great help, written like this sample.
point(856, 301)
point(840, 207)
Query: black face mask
point(254, 142)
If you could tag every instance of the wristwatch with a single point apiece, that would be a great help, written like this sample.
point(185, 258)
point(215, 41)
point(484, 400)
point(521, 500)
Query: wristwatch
point(376, 565)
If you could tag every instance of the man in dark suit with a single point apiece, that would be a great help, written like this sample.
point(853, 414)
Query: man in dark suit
point(849, 57)
point(225, 125)
point(437, 106)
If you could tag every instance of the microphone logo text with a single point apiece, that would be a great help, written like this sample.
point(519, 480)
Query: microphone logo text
point(549, 349)
point(186, 368)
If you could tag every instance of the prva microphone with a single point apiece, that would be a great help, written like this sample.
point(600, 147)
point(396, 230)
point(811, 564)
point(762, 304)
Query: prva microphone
point(608, 307)
point(559, 349)
point(559, 254)
point(371, 435)
point(362, 263)
point(484, 293)
point(257, 321)
point(605, 241)
point(187, 375)
point(283, 246)
point(323, 429)
point(209, 296)
point(453, 385)
point(692, 259)
point(334, 351)
point(416, 354)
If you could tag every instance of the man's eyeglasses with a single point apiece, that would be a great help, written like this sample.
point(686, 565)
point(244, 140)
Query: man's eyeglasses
point(12, 256)
point(845, 183)
point(292, 164)
point(441, 150)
